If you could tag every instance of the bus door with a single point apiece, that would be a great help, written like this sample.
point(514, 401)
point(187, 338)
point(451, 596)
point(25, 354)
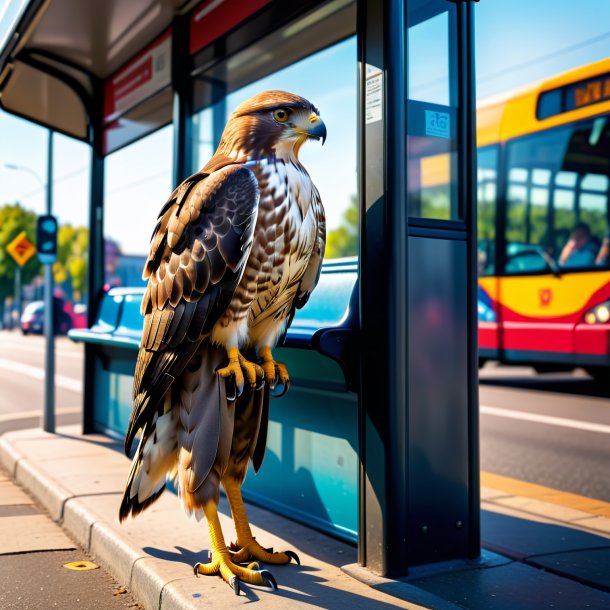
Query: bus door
point(556, 220)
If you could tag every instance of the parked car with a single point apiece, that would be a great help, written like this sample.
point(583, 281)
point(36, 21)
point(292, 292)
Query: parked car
point(32, 318)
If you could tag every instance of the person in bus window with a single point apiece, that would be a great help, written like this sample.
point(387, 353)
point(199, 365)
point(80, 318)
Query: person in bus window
point(602, 255)
point(581, 249)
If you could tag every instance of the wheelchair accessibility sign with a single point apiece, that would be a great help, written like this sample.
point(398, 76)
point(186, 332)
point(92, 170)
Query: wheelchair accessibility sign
point(438, 124)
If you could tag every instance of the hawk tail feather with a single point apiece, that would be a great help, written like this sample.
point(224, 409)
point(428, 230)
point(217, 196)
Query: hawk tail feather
point(154, 462)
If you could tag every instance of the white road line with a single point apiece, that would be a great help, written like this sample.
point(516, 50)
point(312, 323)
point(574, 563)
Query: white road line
point(39, 349)
point(563, 422)
point(29, 414)
point(61, 381)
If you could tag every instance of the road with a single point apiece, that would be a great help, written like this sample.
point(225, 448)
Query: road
point(22, 375)
point(31, 545)
point(551, 429)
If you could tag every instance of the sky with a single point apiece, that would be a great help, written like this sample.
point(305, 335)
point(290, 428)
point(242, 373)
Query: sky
point(518, 42)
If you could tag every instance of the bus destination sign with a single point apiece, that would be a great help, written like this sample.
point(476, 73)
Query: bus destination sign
point(588, 92)
point(574, 96)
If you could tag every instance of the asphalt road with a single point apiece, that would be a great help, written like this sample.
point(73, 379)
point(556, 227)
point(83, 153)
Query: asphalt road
point(551, 429)
point(32, 575)
point(22, 380)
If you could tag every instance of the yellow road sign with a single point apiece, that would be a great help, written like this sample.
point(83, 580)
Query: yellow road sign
point(21, 249)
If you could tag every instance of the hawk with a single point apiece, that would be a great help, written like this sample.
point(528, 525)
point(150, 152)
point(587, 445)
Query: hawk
point(236, 249)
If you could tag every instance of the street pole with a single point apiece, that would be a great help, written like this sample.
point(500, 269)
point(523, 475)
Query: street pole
point(17, 301)
point(48, 418)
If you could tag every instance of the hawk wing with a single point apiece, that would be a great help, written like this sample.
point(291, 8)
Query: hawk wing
point(199, 250)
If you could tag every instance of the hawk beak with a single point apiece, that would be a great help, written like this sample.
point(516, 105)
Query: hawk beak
point(316, 128)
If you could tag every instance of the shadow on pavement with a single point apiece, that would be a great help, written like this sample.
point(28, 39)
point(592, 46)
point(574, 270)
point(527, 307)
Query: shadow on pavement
point(579, 555)
point(298, 583)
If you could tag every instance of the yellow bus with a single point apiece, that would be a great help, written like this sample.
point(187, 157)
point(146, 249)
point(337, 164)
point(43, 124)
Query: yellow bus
point(543, 223)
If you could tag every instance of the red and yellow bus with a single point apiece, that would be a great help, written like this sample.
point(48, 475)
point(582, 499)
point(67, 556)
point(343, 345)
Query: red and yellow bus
point(543, 223)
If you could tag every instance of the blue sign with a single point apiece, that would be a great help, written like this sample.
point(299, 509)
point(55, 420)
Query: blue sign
point(438, 124)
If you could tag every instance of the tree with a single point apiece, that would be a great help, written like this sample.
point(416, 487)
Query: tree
point(71, 262)
point(13, 219)
point(343, 241)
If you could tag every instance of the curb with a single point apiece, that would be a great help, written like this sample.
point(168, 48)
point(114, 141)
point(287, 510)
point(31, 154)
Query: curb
point(563, 507)
point(126, 563)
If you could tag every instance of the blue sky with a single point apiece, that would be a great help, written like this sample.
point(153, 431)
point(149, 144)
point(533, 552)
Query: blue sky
point(523, 41)
point(518, 42)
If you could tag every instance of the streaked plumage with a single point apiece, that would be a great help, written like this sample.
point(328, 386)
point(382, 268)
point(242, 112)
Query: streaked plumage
point(237, 248)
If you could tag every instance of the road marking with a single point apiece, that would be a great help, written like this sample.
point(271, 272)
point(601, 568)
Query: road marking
point(39, 349)
point(61, 381)
point(38, 413)
point(550, 420)
point(515, 487)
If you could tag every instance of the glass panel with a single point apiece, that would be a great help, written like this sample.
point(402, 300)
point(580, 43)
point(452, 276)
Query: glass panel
point(23, 162)
point(432, 106)
point(329, 80)
point(71, 175)
point(567, 167)
point(487, 178)
point(137, 184)
point(138, 122)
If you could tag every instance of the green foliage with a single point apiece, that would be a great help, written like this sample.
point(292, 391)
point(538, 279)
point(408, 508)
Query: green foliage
point(14, 219)
point(343, 241)
point(72, 243)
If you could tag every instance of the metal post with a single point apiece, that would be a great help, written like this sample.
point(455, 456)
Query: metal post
point(48, 419)
point(95, 278)
point(418, 496)
point(182, 106)
point(17, 301)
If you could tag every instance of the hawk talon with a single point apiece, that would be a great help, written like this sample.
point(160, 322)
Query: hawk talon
point(275, 372)
point(239, 370)
point(270, 580)
point(231, 389)
point(294, 556)
point(234, 582)
point(284, 387)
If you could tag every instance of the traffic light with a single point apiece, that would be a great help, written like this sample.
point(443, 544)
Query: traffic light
point(46, 239)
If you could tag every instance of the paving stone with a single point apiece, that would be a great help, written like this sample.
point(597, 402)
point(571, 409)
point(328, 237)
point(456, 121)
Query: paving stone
point(513, 587)
point(23, 533)
point(12, 494)
point(520, 537)
point(590, 566)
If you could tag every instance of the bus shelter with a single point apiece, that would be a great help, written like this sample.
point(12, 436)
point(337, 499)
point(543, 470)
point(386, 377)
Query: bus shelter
point(377, 440)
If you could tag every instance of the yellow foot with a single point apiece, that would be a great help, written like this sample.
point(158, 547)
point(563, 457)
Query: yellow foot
point(241, 369)
point(234, 574)
point(253, 550)
point(275, 372)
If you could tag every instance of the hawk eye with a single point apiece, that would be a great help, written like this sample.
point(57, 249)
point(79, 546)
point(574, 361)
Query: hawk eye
point(280, 115)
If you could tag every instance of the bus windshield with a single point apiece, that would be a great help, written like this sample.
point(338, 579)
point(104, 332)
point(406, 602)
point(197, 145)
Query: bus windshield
point(557, 186)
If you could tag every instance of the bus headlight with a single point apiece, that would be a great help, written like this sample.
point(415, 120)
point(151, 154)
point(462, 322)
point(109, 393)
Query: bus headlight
point(600, 314)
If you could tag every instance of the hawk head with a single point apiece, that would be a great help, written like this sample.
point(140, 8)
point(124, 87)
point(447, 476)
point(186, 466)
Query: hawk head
point(271, 123)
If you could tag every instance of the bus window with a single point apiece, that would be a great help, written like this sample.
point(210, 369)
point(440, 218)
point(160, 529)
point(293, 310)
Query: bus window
point(487, 189)
point(557, 198)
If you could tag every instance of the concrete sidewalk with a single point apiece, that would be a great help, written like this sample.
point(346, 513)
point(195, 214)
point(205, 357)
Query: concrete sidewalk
point(539, 552)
